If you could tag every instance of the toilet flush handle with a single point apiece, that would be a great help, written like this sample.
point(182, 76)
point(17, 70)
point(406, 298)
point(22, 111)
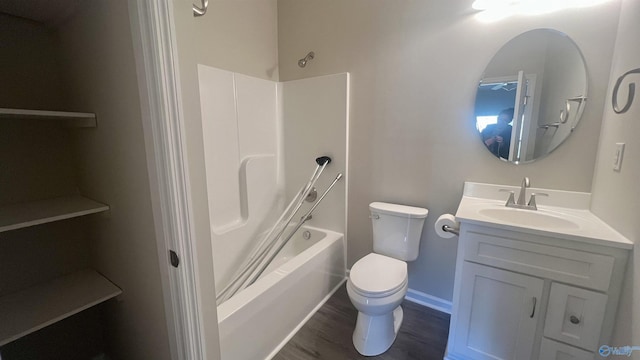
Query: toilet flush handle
point(374, 216)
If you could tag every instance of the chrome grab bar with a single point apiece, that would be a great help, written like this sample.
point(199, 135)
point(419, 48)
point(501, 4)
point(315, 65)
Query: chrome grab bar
point(268, 242)
point(303, 219)
point(270, 246)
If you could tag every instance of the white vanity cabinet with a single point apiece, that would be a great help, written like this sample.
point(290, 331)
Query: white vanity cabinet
point(520, 295)
point(497, 310)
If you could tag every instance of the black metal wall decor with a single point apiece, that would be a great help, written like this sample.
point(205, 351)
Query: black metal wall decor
point(630, 95)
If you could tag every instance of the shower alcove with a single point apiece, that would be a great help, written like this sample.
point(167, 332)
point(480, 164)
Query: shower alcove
point(261, 141)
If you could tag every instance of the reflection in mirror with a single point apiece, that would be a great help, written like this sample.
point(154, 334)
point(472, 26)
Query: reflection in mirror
point(537, 83)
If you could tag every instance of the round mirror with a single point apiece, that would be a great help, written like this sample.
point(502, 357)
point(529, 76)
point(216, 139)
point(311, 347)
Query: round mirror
point(531, 96)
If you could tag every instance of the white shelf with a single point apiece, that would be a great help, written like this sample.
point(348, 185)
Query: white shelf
point(34, 308)
point(70, 119)
point(16, 216)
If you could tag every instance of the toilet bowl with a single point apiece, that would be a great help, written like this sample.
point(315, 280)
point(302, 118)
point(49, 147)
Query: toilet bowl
point(376, 287)
point(378, 282)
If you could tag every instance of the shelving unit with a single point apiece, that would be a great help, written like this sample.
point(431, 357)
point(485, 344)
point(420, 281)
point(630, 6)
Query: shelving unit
point(69, 119)
point(34, 308)
point(16, 216)
point(53, 270)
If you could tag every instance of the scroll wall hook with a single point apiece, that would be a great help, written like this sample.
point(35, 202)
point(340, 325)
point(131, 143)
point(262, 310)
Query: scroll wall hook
point(303, 62)
point(630, 95)
point(199, 11)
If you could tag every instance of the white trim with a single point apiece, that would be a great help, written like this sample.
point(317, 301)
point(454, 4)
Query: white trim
point(152, 24)
point(430, 301)
point(347, 176)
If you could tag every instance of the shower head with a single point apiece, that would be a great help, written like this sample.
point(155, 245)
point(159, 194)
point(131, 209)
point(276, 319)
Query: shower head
point(303, 62)
point(322, 160)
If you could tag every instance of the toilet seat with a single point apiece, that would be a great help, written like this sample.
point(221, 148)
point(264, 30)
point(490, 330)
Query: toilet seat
point(376, 276)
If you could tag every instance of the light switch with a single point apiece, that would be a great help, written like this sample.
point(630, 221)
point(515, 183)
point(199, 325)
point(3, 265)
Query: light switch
point(617, 158)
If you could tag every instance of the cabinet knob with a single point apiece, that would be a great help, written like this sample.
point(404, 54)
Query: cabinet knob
point(574, 319)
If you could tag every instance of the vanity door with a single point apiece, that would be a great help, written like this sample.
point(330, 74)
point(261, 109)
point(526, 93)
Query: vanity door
point(497, 313)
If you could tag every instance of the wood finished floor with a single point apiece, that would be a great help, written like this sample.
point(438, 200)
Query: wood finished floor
point(327, 335)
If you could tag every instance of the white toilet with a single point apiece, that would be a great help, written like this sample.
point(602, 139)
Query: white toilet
point(377, 283)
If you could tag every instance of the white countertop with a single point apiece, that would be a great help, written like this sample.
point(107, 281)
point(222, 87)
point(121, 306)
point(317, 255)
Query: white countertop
point(567, 205)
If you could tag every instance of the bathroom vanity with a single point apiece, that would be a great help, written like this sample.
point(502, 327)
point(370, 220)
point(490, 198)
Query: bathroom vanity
point(533, 284)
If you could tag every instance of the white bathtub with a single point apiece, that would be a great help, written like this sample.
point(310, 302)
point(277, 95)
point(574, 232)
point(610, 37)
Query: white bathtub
point(255, 323)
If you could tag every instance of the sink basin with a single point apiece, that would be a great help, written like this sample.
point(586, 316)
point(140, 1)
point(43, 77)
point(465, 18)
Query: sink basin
point(535, 218)
point(563, 214)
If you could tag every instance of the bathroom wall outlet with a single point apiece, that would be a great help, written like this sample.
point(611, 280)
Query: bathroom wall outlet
point(617, 158)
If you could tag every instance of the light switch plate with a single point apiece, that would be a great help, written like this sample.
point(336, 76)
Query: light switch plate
point(617, 158)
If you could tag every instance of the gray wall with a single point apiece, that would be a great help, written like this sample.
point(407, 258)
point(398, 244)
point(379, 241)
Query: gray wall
point(99, 68)
point(29, 76)
point(414, 69)
point(616, 196)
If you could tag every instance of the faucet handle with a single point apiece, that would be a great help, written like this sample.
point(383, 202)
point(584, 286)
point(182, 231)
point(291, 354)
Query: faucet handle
point(511, 200)
point(532, 200)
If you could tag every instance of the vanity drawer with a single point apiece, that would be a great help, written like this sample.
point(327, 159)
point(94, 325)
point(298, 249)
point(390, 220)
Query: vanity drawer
point(566, 265)
point(553, 350)
point(575, 316)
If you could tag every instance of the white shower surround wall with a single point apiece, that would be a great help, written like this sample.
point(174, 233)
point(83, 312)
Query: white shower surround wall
point(316, 122)
point(253, 127)
point(241, 131)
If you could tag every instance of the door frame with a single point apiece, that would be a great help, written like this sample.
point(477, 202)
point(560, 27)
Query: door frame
point(155, 48)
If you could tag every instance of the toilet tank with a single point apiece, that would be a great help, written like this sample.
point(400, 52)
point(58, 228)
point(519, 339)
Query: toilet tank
point(397, 229)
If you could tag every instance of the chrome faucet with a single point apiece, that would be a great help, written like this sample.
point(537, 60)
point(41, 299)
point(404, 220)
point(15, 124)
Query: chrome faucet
point(521, 202)
point(523, 191)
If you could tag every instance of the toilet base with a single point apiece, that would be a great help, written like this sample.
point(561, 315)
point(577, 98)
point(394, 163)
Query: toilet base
point(375, 334)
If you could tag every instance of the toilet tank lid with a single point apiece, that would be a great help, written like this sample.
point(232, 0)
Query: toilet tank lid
point(399, 210)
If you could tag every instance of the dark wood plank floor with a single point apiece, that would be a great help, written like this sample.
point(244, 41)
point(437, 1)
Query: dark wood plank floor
point(327, 335)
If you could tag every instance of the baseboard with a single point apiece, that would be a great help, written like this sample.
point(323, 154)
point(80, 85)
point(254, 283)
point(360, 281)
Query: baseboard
point(304, 321)
point(430, 301)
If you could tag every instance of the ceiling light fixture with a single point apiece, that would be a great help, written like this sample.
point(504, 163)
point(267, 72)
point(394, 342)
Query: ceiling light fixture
point(493, 10)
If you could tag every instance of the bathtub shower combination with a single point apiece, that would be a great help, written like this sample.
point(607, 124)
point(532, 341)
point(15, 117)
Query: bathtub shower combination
point(285, 277)
point(274, 263)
